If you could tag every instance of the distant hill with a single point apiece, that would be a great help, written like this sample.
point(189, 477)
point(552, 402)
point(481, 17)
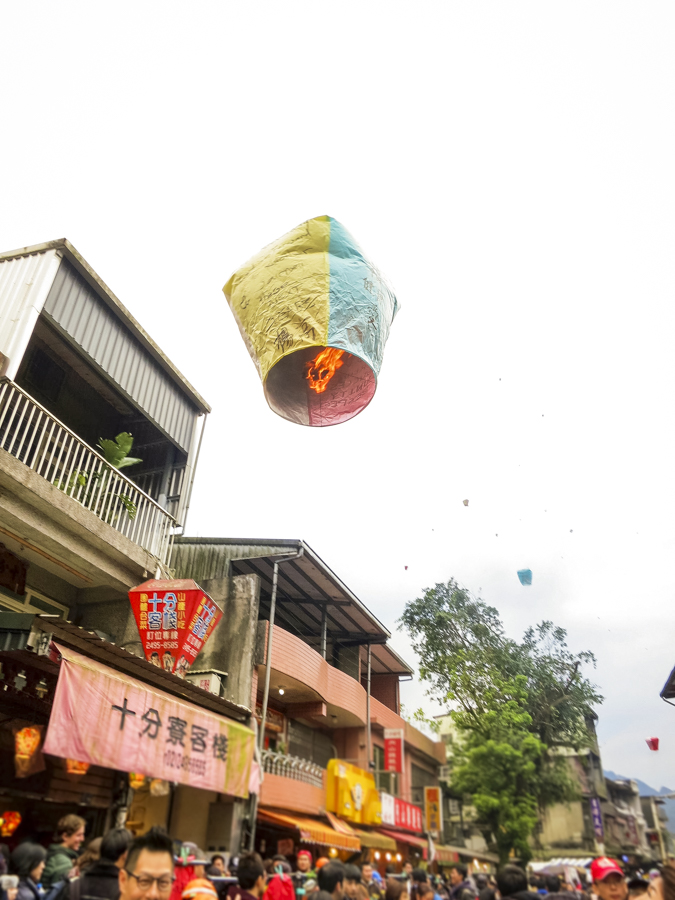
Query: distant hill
point(647, 791)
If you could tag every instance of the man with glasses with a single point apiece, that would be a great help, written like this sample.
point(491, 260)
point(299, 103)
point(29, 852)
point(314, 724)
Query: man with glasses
point(148, 871)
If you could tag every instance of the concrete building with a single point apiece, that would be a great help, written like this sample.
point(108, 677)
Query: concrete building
point(333, 681)
point(76, 367)
point(566, 831)
point(76, 533)
point(659, 839)
point(625, 824)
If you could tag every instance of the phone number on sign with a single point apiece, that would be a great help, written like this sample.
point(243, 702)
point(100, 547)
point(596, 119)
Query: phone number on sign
point(187, 763)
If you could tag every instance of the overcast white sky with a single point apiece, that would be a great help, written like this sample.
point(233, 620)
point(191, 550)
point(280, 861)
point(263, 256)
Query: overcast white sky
point(510, 167)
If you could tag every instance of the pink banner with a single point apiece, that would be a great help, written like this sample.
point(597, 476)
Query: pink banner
point(103, 717)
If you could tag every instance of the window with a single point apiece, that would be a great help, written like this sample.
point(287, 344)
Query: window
point(308, 743)
point(32, 602)
point(420, 779)
point(384, 781)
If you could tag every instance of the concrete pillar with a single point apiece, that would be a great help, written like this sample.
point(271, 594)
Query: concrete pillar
point(231, 646)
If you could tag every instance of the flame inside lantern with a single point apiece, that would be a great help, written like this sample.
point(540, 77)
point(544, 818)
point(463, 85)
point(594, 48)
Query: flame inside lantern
point(9, 822)
point(321, 369)
point(74, 767)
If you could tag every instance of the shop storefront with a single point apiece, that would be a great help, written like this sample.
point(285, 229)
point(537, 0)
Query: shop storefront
point(117, 739)
point(379, 849)
point(402, 822)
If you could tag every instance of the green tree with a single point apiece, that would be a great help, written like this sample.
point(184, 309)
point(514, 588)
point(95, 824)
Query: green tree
point(500, 777)
point(514, 705)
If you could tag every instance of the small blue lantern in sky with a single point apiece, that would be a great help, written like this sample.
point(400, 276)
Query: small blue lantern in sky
point(525, 576)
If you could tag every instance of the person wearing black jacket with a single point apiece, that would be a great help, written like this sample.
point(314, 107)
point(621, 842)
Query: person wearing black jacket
point(512, 882)
point(461, 888)
point(28, 862)
point(100, 881)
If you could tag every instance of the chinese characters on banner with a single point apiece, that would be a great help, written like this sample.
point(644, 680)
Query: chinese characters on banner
point(393, 749)
point(631, 831)
point(109, 719)
point(596, 816)
point(433, 811)
point(174, 619)
point(400, 813)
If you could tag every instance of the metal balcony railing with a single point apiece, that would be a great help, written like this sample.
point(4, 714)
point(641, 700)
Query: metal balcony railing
point(36, 438)
point(292, 767)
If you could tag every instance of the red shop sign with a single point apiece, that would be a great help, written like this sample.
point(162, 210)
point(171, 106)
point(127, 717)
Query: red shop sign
point(174, 619)
point(408, 816)
point(393, 749)
point(400, 813)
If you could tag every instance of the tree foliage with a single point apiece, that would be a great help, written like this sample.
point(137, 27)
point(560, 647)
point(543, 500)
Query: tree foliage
point(514, 705)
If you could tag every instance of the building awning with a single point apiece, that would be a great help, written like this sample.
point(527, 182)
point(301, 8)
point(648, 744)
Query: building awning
point(482, 856)
point(445, 855)
point(375, 840)
point(410, 839)
point(580, 862)
point(339, 825)
point(312, 831)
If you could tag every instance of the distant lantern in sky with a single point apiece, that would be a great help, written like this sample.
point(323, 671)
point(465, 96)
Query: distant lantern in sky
point(525, 576)
point(315, 315)
point(653, 743)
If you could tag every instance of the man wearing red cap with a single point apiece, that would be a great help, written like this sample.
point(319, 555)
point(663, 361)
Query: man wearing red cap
point(608, 879)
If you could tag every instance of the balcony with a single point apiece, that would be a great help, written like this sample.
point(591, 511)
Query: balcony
point(292, 767)
point(47, 447)
point(292, 783)
point(312, 688)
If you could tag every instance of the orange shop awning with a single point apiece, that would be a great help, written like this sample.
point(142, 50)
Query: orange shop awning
point(339, 825)
point(412, 840)
point(312, 831)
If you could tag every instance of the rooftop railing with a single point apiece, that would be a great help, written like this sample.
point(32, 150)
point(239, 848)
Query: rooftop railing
point(31, 434)
point(292, 767)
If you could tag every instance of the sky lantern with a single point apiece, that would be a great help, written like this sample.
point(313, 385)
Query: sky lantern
point(525, 576)
point(653, 743)
point(315, 315)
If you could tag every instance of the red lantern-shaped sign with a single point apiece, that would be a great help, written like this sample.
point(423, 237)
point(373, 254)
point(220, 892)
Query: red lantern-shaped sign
point(174, 618)
point(653, 743)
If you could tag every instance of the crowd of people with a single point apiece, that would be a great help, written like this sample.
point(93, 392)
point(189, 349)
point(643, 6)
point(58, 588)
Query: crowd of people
point(120, 866)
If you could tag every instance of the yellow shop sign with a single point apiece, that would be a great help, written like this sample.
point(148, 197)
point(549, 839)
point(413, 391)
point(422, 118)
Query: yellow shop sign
point(351, 793)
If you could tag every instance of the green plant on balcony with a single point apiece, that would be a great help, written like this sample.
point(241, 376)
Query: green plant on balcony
point(101, 484)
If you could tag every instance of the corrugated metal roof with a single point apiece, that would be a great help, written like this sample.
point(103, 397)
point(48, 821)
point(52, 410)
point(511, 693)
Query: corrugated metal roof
point(76, 309)
point(305, 586)
point(65, 249)
point(24, 284)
